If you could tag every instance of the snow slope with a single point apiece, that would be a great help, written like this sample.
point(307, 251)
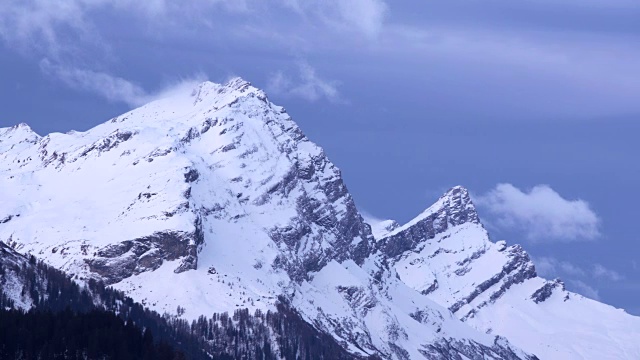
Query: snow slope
point(446, 254)
point(212, 199)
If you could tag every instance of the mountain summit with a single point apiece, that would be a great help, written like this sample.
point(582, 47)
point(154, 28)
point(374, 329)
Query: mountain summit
point(213, 200)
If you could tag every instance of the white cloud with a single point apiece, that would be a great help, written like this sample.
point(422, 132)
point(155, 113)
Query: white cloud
point(305, 84)
point(58, 28)
point(541, 213)
point(110, 87)
point(70, 35)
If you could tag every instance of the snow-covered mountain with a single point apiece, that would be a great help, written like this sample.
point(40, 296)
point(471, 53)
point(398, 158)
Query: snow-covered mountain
point(445, 253)
point(213, 200)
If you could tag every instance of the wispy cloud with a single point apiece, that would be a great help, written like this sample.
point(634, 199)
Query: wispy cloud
point(111, 87)
point(59, 28)
point(70, 36)
point(304, 83)
point(540, 213)
point(54, 28)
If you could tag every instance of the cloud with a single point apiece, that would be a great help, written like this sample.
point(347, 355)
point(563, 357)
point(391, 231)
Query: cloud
point(305, 84)
point(112, 88)
point(56, 28)
point(541, 213)
point(74, 38)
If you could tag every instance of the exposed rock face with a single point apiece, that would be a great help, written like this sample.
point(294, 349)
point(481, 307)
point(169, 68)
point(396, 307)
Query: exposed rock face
point(116, 262)
point(433, 240)
point(304, 238)
point(547, 290)
point(452, 209)
point(517, 269)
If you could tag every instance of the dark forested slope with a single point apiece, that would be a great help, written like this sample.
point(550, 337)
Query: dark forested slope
point(46, 315)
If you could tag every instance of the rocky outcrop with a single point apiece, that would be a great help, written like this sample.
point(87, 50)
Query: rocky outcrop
point(517, 269)
point(116, 262)
point(452, 209)
point(545, 292)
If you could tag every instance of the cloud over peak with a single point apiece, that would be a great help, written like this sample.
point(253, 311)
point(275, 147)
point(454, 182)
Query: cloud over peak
point(113, 88)
point(541, 213)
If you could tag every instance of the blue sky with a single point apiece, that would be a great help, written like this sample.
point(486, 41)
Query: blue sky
point(532, 104)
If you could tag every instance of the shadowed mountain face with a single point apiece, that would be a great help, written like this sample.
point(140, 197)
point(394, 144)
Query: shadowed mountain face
point(214, 200)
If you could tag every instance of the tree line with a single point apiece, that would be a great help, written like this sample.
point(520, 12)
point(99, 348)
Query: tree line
point(93, 321)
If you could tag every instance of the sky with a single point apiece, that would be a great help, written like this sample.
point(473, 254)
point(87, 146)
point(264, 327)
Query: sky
point(530, 104)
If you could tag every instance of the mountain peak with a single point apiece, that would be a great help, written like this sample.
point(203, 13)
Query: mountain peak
point(454, 208)
point(455, 204)
point(19, 128)
point(459, 205)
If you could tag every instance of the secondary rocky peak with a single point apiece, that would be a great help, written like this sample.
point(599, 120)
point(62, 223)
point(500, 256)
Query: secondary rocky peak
point(454, 208)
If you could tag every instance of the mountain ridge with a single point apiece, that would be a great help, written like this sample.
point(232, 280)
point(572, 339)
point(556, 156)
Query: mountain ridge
point(217, 192)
